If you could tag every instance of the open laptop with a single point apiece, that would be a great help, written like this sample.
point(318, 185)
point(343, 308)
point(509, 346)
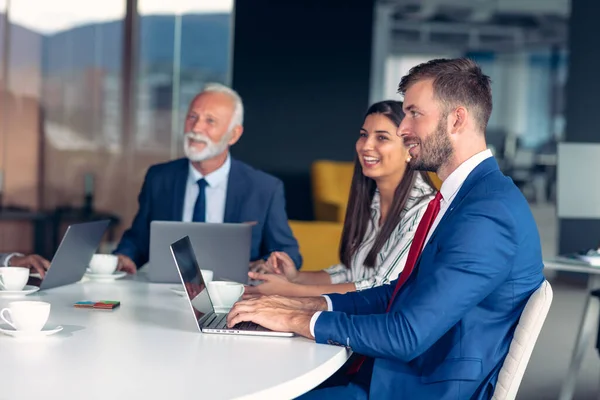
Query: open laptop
point(74, 254)
point(225, 249)
point(207, 320)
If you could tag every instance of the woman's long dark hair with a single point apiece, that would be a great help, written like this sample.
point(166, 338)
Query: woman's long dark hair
point(358, 213)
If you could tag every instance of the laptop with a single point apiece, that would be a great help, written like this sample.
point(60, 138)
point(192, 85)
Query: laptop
point(225, 249)
point(207, 320)
point(74, 254)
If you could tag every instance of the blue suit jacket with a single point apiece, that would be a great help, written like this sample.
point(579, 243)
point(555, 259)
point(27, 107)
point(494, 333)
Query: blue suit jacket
point(451, 324)
point(252, 196)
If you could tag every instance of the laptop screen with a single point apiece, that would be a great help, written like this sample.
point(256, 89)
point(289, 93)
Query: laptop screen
point(194, 285)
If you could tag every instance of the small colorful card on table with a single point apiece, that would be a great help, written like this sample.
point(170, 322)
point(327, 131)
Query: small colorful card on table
point(101, 305)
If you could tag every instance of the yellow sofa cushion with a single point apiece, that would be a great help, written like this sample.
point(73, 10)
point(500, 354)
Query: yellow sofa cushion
point(319, 243)
point(331, 182)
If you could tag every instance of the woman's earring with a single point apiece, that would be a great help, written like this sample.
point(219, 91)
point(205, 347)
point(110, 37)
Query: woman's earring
point(408, 159)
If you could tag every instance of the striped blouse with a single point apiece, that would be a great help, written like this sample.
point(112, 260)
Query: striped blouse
point(392, 257)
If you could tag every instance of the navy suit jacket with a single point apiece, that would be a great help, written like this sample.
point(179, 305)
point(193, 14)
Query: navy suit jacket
point(451, 324)
point(252, 196)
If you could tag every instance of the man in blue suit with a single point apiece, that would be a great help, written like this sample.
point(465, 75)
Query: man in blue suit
point(444, 332)
point(211, 186)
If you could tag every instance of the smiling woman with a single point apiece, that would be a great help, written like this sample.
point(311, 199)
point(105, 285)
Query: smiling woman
point(387, 200)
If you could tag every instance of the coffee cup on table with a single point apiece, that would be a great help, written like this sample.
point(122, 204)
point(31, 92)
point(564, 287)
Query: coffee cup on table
point(104, 264)
point(224, 294)
point(27, 316)
point(207, 275)
point(13, 278)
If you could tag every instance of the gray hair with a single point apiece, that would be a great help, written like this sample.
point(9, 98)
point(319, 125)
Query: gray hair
point(238, 112)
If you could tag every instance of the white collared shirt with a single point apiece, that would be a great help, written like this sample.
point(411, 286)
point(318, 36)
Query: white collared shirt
point(392, 256)
point(454, 182)
point(216, 193)
point(449, 190)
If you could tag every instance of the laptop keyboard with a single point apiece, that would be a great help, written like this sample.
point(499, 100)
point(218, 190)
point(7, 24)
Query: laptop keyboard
point(219, 321)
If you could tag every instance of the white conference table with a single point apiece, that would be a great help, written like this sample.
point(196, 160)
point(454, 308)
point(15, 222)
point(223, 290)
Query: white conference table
point(150, 348)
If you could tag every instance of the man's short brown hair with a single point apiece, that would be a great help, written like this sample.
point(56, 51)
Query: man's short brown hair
point(456, 82)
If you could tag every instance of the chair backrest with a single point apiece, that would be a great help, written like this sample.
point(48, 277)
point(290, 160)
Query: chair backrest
point(526, 334)
point(319, 242)
point(331, 181)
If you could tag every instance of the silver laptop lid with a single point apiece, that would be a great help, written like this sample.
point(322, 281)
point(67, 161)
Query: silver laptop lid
point(74, 253)
point(225, 249)
point(191, 277)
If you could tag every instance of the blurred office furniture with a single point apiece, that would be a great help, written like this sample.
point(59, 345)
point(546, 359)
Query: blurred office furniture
point(319, 243)
point(331, 181)
point(39, 221)
point(589, 319)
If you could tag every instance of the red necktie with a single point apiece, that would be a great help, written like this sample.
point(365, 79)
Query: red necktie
point(413, 255)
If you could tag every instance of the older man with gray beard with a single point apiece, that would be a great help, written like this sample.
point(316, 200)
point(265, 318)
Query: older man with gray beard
point(211, 186)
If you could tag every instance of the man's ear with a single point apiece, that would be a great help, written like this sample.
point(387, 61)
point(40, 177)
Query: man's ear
point(458, 119)
point(237, 134)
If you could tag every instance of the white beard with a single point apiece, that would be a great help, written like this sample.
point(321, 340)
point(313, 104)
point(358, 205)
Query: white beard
point(211, 149)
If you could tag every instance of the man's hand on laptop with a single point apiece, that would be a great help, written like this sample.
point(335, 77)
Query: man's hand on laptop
point(34, 262)
point(278, 313)
point(126, 264)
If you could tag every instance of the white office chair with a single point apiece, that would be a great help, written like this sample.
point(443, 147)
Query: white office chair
point(526, 334)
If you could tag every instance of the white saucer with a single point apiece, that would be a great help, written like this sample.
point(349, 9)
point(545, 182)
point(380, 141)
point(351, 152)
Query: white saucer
point(106, 277)
point(28, 289)
point(22, 334)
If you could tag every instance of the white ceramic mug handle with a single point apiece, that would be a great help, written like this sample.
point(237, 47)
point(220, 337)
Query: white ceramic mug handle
point(241, 291)
point(4, 318)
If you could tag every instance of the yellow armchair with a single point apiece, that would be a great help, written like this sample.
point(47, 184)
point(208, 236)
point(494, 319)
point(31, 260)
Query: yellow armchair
point(319, 243)
point(320, 240)
point(331, 182)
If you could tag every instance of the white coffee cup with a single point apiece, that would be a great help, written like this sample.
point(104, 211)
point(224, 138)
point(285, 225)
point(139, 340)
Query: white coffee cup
point(224, 294)
point(28, 316)
point(103, 264)
point(207, 275)
point(13, 278)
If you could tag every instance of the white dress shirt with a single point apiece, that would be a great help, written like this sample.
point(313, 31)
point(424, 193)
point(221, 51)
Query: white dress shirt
point(453, 183)
point(449, 189)
point(215, 191)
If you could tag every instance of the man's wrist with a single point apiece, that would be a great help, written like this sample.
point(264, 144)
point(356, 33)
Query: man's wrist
point(301, 324)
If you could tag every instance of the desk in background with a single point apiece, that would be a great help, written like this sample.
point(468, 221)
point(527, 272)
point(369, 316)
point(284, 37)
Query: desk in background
point(589, 322)
point(49, 226)
point(38, 220)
